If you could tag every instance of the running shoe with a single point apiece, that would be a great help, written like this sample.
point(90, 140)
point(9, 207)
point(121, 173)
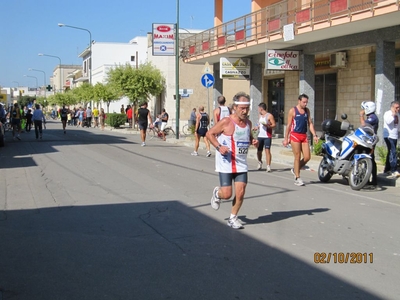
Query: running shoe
point(194, 153)
point(268, 169)
point(259, 165)
point(208, 154)
point(143, 144)
point(292, 171)
point(215, 201)
point(394, 174)
point(234, 223)
point(298, 182)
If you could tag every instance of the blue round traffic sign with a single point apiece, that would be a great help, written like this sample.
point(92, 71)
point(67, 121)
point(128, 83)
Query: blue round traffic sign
point(207, 80)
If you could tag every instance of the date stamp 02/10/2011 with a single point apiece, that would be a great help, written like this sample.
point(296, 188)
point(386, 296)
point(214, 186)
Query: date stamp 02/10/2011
point(343, 257)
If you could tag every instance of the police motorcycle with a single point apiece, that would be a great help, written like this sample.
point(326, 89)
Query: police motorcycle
point(346, 151)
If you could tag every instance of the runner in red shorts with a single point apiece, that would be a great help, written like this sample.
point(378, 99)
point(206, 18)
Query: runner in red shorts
point(296, 133)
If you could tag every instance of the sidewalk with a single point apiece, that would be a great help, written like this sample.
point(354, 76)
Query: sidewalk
point(280, 154)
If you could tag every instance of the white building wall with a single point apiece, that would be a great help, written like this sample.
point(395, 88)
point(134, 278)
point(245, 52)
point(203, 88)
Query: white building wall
point(108, 55)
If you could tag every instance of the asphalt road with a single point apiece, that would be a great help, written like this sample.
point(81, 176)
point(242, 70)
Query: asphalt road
point(93, 215)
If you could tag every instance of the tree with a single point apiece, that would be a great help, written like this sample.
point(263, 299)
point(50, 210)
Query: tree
point(67, 98)
point(84, 93)
point(26, 100)
point(42, 101)
point(106, 93)
point(137, 84)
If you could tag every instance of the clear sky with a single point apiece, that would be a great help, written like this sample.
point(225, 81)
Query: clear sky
point(29, 27)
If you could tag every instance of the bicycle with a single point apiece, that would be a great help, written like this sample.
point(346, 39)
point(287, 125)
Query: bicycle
point(187, 129)
point(154, 131)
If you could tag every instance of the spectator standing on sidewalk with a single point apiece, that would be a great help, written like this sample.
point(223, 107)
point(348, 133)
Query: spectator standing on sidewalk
point(201, 128)
point(38, 120)
point(102, 118)
point(129, 115)
point(144, 118)
point(232, 138)
point(79, 114)
point(96, 117)
point(296, 134)
point(390, 135)
point(88, 117)
point(222, 111)
point(192, 118)
point(266, 123)
point(16, 117)
point(368, 109)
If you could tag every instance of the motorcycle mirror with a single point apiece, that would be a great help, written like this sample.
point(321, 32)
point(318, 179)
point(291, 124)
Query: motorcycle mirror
point(344, 116)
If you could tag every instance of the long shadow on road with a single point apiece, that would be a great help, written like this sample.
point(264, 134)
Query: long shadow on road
point(153, 250)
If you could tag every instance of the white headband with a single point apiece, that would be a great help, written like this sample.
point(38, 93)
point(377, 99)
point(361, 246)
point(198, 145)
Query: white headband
point(242, 103)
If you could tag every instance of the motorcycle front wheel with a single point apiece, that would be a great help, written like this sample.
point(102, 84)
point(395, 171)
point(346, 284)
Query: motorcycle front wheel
point(360, 173)
point(323, 171)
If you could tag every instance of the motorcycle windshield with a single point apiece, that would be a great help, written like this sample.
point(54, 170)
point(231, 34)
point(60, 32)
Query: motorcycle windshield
point(366, 134)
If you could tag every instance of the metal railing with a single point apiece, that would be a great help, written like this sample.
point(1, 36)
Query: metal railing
point(267, 24)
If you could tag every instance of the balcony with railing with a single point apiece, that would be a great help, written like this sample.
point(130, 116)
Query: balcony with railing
point(312, 21)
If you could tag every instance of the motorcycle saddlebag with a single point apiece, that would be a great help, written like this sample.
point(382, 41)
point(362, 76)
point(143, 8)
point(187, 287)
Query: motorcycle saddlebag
point(333, 127)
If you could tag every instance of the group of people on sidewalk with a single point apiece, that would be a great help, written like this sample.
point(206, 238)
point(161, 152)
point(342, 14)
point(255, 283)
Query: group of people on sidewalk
point(32, 115)
point(82, 117)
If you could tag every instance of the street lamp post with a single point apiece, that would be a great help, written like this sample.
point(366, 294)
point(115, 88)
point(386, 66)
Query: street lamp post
point(61, 75)
point(44, 78)
point(177, 107)
point(90, 47)
point(36, 81)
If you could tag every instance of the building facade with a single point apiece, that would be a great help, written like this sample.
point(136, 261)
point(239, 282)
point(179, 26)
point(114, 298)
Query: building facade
point(102, 56)
point(61, 78)
point(349, 52)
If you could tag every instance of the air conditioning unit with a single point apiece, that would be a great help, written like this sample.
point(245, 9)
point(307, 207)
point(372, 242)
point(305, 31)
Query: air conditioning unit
point(338, 60)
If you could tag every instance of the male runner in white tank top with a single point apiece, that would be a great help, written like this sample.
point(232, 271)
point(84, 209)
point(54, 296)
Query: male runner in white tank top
point(231, 137)
point(222, 111)
point(266, 123)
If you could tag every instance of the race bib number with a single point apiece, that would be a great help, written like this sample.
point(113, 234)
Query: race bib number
point(243, 147)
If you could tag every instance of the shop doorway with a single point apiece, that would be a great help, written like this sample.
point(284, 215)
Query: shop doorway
point(276, 102)
point(325, 99)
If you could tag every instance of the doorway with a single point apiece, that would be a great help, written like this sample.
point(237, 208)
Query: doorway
point(325, 99)
point(276, 102)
